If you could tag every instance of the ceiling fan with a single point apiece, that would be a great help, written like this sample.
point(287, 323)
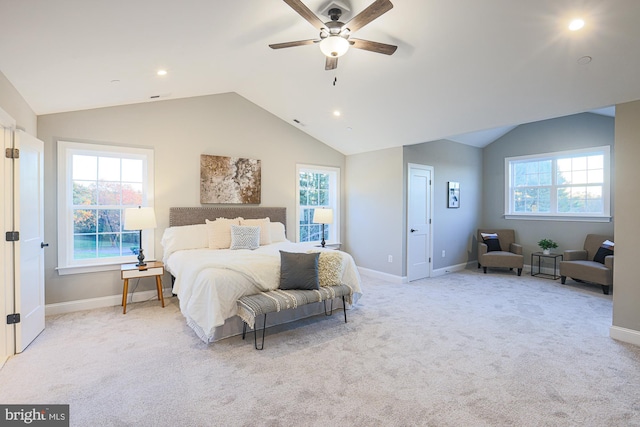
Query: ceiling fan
point(335, 36)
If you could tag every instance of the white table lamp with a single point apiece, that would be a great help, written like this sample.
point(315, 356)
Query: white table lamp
point(323, 216)
point(139, 219)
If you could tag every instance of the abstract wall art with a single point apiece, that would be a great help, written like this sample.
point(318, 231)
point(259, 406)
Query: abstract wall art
point(229, 180)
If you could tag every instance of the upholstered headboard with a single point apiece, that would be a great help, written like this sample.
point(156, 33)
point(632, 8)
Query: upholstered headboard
point(197, 215)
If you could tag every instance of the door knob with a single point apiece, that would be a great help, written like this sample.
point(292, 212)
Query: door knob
point(43, 244)
point(412, 230)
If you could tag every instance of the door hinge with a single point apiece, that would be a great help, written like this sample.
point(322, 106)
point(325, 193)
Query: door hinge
point(13, 318)
point(12, 236)
point(12, 153)
point(429, 220)
point(429, 259)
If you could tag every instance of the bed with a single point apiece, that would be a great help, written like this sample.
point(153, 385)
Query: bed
point(209, 278)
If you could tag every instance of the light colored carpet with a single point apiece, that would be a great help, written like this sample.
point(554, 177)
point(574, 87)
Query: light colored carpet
point(465, 349)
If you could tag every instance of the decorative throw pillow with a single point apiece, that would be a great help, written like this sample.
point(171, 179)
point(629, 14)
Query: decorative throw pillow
point(492, 242)
point(219, 232)
point(604, 250)
point(330, 268)
point(265, 230)
point(245, 237)
point(299, 271)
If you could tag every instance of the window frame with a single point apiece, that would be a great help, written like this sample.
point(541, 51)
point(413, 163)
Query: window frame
point(554, 215)
point(66, 149)
point(334, 197)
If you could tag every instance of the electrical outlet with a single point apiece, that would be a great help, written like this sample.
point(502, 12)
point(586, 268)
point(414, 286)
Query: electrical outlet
point(443, 253)
point(390, 259)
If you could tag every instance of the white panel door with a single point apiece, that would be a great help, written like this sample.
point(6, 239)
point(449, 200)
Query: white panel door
point(29, 288)
point(419, 222)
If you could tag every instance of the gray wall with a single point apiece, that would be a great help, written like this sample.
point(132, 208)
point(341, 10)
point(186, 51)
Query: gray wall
point(564, 133)
point(13, 104)
point(626, 281)
point(179, 131)
point(452, 228)
point(375, 210)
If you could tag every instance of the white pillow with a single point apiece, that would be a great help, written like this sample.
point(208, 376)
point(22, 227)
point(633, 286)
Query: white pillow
point(277, 232)
point(489, 235)
point(265, 230)
point(184, 237)
point(219, 232)
point(245, 237)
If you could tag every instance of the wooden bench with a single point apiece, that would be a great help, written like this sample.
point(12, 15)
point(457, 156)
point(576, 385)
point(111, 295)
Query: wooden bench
point(252, 306)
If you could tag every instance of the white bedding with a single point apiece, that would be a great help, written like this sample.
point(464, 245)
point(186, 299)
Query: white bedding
point(210, 281)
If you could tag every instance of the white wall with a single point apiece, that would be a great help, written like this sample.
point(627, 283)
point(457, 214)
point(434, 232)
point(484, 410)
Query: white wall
point(375, 210)
point(179, 131)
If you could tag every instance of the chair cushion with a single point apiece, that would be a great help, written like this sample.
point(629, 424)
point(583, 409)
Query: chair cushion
point(492, 242)
point(589, 271)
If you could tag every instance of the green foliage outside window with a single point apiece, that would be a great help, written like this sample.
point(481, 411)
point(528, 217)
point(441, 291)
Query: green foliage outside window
point(314, 193)
point(98, 206)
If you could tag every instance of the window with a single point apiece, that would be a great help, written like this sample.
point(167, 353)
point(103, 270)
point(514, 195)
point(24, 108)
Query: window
point(95, 184)
point(571, 185)
point(317, 187)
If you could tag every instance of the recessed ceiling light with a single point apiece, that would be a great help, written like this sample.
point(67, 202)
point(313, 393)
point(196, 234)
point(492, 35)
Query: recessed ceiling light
point(576, 24)
point(336, 113)
point(162, 72)
point(584, 60)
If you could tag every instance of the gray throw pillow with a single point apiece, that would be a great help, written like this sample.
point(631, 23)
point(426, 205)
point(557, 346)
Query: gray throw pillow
point(299, 270)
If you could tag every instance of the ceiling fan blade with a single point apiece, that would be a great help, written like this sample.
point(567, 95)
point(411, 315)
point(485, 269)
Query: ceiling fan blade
point(331, 63)
point(292, 44)
point(306, 13)
point(375, 10)
point(384, 48)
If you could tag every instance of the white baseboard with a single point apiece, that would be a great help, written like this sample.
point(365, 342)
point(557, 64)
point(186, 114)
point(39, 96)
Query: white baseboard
point(382, 276)
point(625, 335)
point(93, 303)
point(452, 268)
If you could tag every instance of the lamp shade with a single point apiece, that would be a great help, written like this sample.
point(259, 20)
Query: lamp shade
point(334, 46)
point(323, 216)
point(139, 218)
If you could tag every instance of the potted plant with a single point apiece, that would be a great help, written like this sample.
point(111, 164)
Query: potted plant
point(547, 245)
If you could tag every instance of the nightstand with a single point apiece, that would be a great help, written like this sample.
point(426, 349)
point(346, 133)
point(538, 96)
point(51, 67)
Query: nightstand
point(131, 271)
point(331, 245)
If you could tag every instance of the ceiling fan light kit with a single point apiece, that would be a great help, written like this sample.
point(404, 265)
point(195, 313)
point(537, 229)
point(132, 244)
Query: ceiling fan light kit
point(335, 35)
point(334, 46)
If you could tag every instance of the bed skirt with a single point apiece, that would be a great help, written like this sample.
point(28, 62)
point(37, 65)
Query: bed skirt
point(233, 326)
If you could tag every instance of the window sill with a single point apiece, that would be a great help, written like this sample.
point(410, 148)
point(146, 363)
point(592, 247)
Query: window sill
point(96, 268)
point(559, 218)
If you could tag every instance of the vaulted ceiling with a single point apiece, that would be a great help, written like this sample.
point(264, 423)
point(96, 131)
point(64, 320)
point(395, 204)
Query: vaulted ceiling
point(461, 66)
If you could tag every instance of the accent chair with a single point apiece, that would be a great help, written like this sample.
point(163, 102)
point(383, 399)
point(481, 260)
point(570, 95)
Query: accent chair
point(582, 265)
point(508, 254)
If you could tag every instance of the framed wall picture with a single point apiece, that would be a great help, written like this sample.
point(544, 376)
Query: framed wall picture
point(453, 194)
point(230, 180)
